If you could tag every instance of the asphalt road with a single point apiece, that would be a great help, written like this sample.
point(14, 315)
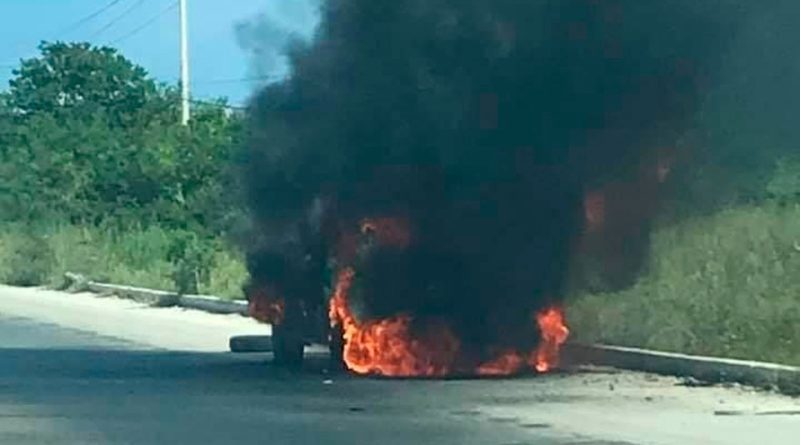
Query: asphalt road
point(77, 369)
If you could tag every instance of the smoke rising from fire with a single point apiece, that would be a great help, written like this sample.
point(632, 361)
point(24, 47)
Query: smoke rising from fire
point(446, 150)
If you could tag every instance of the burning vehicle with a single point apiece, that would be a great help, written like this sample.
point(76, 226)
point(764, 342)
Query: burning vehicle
point(422, 181)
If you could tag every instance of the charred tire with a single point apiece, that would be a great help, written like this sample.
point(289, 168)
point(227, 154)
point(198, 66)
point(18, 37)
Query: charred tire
point(336, 347)
point(287, 347)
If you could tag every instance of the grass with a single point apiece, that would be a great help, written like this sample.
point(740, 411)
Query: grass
point(29, 250)
point(137, 257)
point(723, 285)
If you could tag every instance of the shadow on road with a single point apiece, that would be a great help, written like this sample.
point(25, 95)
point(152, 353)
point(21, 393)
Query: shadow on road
point(138, 396)
point(147, 364)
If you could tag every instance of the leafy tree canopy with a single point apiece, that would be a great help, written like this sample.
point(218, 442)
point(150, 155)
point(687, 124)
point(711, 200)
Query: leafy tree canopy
point(87, 136)
point(73, 80)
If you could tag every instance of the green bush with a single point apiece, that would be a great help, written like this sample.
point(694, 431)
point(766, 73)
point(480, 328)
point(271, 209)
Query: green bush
point(725, 285)
point(93, 156)
point(25, 260)
point(192, 260)
point(151, 257)
point(227, 276)
point(88, 138)
point(134, 256)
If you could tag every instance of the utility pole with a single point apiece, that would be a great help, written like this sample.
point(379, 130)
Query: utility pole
point(185, 103)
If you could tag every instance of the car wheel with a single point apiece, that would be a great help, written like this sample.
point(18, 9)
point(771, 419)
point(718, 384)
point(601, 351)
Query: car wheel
point(336, 346)
point(287, 346)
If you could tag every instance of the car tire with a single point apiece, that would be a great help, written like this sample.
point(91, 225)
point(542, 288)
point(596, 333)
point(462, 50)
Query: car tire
point(288, 346)
point(336, 347)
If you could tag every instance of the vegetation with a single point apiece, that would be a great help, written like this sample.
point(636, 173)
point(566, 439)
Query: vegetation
point(724, 285)
point(98, 177)
point(27, 259)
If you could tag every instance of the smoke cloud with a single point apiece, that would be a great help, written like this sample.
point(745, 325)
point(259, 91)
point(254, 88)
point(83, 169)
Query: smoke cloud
point(475, 130)
point(266, 35)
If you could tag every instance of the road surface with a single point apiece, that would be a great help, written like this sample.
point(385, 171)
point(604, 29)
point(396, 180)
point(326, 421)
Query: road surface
point(80, 369)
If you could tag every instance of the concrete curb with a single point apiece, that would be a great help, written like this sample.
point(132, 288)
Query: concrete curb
point(785, 379)
point(158, 298)
point(213, 304)
point(146, 296)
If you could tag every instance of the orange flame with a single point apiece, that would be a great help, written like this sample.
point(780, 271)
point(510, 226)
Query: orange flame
point(554, 334)
point(266, 308)
point(508, 363)
point(388, 347)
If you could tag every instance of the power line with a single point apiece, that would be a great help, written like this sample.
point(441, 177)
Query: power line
point(77, 24)
point(88, 18)
point(240, 80)
point(218, 104)
point(116, 19)
point(144, 25)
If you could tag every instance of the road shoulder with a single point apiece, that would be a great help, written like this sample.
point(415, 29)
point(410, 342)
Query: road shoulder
point(175, 329)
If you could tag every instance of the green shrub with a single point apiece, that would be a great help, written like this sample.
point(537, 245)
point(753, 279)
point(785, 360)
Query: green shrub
point(93, 155)
point(135, 257)
point(227, 276)
point(25, 260)
point(152, 257)
point(725, 285)
point(192, 260)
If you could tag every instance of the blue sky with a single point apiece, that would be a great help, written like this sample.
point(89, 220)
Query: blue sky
point(224, 35)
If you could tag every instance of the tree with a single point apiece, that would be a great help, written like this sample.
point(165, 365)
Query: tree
point(87, 136)
point(76, 80)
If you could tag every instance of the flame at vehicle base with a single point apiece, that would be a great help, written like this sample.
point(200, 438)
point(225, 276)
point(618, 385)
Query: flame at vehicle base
point(393, 347)
point(266, 307)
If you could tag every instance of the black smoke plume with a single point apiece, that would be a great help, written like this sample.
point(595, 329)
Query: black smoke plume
point(479, 126)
